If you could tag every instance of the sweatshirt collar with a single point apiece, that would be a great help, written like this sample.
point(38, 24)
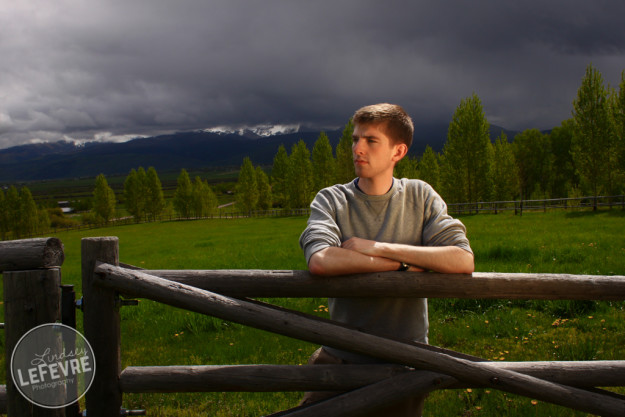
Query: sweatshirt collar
point(389, 193)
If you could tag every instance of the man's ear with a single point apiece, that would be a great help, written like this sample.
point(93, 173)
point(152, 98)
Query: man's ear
point(400, 151)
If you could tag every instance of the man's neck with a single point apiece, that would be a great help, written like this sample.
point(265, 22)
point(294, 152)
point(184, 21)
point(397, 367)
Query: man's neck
point(375, 187)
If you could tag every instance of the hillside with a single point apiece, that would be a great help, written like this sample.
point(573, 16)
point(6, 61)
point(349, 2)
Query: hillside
point(189, 150)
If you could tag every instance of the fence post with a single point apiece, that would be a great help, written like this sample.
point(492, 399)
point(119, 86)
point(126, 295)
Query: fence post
point(101, 323)
point(31, 298)
point(3, 399)
point(68, 317)
point(30, 254)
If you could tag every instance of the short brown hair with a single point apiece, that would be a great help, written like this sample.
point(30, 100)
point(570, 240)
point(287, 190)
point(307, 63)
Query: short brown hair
point(399, 126)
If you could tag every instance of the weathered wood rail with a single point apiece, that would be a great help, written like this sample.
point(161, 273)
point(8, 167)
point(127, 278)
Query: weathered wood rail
point(273, 378)
point(28, 254)
point(263, 283)
point(212, 292)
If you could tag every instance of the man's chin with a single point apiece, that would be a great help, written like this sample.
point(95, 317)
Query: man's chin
point(360, 169)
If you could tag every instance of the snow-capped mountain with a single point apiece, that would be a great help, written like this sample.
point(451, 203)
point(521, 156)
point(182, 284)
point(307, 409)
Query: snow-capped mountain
point(255, 132)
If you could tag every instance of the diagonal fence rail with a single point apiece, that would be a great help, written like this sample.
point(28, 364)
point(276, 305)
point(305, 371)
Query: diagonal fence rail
point(368, 386)
point(200, 291)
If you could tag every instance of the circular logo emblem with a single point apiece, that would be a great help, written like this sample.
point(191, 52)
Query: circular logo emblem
point(52, 365)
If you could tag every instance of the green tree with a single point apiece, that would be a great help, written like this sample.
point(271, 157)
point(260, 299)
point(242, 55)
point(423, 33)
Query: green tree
point(324, 164)
point(133, 195)
point(344, 159)
point(299, 180)
point(183, 196)
point(505, 177)
point(103, 199)
point(154, 199)
point(532, 154)
point(13, 210)
point(618, 114)
point(265, 199)
point(212, 202)
point(563, 175)
point(197, 203)
point(4, 211)
point(468, 154)
point(247, 187)
point(142, 180)
point(429, 170)
point(43, 220)
point(204, 200)
point(29, 214)
point(406, 168)
point(279, 173)
point(593, 137)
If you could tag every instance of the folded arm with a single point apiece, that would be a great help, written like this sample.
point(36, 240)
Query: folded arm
point(445, 259)
point(359, 255)
point(340, 261)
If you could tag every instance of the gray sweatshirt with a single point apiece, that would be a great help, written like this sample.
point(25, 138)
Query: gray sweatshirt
point(411, 212)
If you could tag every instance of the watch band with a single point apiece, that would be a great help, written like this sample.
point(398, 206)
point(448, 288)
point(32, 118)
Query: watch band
point(403, 267)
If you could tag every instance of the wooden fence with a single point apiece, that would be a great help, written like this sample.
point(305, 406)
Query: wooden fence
point(218, 293)
point(413, 367)
point(519, 206)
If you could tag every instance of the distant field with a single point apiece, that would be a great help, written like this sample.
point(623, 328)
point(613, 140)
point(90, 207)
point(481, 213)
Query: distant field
point(73, 188)
point(559, 242)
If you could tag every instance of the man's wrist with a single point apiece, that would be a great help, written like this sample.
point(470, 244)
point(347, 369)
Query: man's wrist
point(403, 266)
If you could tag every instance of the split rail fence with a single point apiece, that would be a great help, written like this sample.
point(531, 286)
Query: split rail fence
point(519, 206)
point(413, 368)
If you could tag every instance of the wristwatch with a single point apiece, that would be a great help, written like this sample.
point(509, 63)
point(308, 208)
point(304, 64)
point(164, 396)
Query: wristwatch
point(403, 267)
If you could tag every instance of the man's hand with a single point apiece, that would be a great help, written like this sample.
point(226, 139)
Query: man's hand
point(361, 255)
point(364, 246)
point(371, 248)
point(445, 259)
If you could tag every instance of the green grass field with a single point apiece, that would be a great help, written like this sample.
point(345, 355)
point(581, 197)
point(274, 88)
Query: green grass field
point(558, 242)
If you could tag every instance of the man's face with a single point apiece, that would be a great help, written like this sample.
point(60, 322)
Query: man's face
point(373, 151)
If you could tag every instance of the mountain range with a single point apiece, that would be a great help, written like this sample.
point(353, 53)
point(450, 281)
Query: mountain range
point(218, 147)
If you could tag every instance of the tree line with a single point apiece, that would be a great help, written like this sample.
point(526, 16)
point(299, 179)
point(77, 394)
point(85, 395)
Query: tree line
point(297, 176)
point(585, 155)
point(19, 214)
point(144, 198)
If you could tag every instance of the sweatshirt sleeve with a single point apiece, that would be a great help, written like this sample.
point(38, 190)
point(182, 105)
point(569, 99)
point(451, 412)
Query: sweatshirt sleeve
point(440, 229)
point(322, 230)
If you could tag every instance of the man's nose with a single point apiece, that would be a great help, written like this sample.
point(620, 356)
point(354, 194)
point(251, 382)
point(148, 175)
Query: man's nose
point(358, 147)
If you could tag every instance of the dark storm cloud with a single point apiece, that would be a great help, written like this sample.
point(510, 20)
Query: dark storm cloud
point(112, 69)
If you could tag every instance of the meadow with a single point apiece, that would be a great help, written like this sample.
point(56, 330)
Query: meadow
point(555, 242)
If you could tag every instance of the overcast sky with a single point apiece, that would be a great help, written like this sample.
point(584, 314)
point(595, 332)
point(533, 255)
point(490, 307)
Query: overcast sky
point(114, 69)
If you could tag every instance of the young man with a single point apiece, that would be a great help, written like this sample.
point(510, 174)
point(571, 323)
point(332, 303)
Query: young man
point(379, 223)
